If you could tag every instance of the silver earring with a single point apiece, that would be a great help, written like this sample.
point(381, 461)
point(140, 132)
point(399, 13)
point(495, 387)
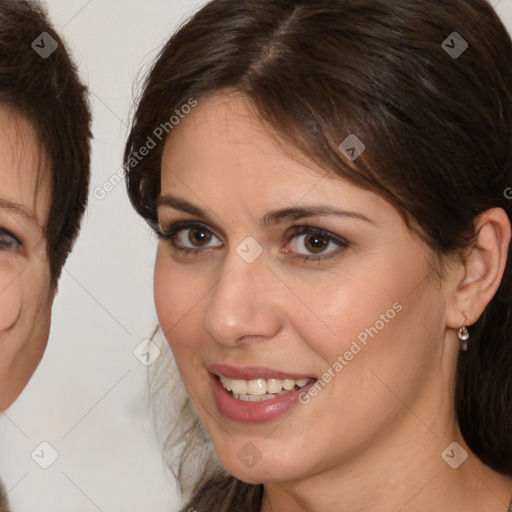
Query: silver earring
point(463, 336)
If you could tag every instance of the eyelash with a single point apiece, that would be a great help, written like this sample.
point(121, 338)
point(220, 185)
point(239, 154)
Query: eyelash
point(173, 230)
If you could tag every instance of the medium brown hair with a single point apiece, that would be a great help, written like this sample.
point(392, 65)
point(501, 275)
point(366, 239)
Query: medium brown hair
point(437, 129)
point(46, 90)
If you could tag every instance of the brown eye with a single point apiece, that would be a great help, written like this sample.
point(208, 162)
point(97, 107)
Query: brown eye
point(316, 243)
point(194, 237)
point(313, 244)
point(199, 237)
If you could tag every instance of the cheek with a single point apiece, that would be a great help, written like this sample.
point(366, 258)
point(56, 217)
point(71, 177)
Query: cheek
point(178, 304)
point(10, 300)
point(177, 299)
point(344, 311)
point(373, 328)
point(25, 316)
point(384, 340)
point(357, 318)
point(166, 288)
point(368, 304)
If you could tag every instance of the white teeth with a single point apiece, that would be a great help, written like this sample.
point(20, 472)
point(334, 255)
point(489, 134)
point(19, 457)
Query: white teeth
point(225, 382)
point(288, 384)
point(256, 390)
point(257, 387)
point(238, 386)
point(274, 385)
point(252, 398)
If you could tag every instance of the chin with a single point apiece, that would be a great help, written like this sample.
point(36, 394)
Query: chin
point(251, 466)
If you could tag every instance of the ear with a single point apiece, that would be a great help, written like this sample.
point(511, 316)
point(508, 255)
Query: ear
point(481, 269)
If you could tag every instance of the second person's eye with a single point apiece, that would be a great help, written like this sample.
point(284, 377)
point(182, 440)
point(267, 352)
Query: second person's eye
point(8, 241)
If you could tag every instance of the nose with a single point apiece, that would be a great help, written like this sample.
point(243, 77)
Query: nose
point(245, 304)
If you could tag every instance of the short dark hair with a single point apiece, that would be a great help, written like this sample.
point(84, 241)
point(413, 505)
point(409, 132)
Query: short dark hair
point(46, 90)
point(437, 126)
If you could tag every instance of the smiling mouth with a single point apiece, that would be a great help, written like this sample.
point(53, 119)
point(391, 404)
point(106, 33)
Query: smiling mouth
point(259, 390)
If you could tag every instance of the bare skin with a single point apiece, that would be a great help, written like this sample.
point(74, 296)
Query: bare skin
point(372, 438)
point(26, 293)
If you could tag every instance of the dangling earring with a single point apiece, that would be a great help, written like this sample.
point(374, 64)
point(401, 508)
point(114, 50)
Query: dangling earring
point(463, 336)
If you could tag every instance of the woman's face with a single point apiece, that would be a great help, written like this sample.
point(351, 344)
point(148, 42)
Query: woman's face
point(26, 293)
point(274, 271)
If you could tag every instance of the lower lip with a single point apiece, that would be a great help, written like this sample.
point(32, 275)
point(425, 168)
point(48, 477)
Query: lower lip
point(254, 412)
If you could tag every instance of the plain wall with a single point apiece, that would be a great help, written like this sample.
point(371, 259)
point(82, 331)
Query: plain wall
point(88, 397)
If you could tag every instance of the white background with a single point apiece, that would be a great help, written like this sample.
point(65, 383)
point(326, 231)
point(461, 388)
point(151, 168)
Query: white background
point(87, 398)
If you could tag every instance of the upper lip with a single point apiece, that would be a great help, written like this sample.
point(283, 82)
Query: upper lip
point(253, 372)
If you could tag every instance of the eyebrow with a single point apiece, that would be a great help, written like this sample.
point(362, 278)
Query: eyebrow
point(16, 208)
point(272, 218)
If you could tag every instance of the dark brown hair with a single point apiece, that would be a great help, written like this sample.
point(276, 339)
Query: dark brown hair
point(436, 123)
point(46, 90)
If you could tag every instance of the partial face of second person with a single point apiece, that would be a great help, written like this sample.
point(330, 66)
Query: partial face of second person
point(321, 281)
point(26, 292)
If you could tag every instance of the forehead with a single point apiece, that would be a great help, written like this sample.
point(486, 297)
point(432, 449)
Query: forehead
point(222, 149)
point(24, 166)
point(224, 137)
